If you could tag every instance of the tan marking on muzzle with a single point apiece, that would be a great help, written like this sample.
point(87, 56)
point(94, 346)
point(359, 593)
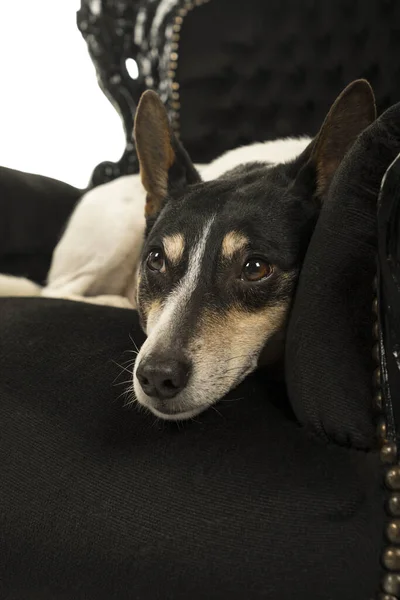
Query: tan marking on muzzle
point(233, 242)
point(238, 335)
point(174, 246)
point(152, 312)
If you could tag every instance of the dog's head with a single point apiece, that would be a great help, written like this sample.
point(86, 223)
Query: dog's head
point(221, 258)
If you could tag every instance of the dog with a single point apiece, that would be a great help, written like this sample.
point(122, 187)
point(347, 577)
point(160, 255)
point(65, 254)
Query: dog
point(209, 255)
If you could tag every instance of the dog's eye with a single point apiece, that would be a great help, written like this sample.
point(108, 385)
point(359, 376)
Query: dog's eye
point(156, 261)
point(256, 269)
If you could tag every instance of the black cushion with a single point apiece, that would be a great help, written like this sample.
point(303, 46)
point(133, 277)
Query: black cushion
point(33, 213)
point(332, 320)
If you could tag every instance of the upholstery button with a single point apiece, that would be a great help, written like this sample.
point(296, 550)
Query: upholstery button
point(376, 353)
point(393, 532)
point(378, 400)
point(393, 478)
point(393, 505)
point(391, 559)
point(377, 378)
point(389, 453)
point(391, 583)
point(381, 431)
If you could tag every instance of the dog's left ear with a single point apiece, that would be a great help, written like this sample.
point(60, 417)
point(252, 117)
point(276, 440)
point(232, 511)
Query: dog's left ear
point(165, 166)
point(352, 112)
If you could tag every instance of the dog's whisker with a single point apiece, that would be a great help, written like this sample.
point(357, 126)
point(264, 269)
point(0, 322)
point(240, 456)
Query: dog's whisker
point(236, 357)
point(238, 368)
point(228, 373)
point(129, 362)
point(124, 393)
point(131, 397)
point(135, 352)
point(128, 397)
point(231, 399)
point(217, 411)
point(194, 420)
point(121, 367)
point(123, 382)
point(129, 402)
point(134, 343)
point(157, 423)
point(128, 370)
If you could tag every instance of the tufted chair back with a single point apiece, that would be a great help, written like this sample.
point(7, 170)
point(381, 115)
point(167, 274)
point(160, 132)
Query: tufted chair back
point(234, 72)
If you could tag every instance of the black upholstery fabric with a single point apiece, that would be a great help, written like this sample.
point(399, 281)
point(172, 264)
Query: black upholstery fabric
point(273, 69)
point(101, 501)
point(33, 212)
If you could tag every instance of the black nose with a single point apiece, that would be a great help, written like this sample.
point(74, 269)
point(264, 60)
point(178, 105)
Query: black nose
point(163, 378)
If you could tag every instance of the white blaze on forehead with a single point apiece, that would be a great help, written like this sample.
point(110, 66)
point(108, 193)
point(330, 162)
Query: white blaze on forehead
point(176, 301)
point(174, 246)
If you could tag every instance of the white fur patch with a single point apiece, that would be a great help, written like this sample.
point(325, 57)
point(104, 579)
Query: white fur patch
point(18, 286)
point(274, 152)
point(100, 249)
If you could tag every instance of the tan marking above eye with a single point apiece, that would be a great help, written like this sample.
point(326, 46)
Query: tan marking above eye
point(233, 242)
point(174, 245)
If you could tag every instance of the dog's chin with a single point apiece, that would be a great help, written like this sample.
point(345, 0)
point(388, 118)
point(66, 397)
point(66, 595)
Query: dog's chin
point(177, 416)
point(164, 412)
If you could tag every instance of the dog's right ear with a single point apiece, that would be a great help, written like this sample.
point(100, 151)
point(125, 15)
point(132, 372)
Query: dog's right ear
point(165, 166)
